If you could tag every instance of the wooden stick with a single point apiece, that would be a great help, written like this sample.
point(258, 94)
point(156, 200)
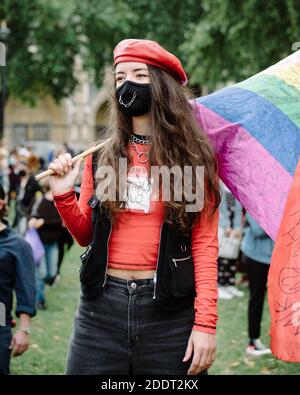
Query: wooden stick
point(51, 172)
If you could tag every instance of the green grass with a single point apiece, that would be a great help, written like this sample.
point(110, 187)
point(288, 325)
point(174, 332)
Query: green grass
point(232, 341)
point(52, 328)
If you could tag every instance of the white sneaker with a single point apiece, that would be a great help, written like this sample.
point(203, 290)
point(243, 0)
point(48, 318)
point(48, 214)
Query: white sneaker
point(257, 349)
point(234, 291)
point(224, 294)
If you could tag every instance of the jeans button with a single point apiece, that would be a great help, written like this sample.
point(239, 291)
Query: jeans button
point(133, 285)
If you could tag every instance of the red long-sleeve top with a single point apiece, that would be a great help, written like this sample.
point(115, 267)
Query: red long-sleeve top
point(134, 240)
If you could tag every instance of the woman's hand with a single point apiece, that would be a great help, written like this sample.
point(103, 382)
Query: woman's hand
point(39, 223)
point(31, 223)
point(236, 234)
point(66, 174)
point(228, 231)
point(203, 347)
point(36, 223)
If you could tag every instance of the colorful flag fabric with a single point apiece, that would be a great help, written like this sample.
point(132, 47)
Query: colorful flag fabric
point(284, 281)
point(254, 126)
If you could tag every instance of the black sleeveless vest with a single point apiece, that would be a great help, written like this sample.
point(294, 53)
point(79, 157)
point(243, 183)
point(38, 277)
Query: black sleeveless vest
point(174, 277)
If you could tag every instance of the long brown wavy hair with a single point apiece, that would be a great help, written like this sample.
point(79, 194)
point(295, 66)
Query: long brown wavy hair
point(177, 139)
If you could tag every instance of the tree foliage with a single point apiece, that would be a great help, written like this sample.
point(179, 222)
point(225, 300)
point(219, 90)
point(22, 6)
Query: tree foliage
point(43, 40)
point(235, 39)
point(217, 40)
point(107, 23)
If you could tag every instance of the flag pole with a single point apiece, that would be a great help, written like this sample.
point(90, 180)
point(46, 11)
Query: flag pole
point(83, 154)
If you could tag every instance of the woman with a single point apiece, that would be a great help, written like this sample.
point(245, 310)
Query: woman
point(138, 312)
point(45, 219)
point(257, 248)
point(26, 192)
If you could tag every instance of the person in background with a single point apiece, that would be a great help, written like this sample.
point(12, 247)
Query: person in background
point(54, 153)
point(64, 243)
point(26, 191)
point(16, 274)
point(257, 248)
point(242, 280)
point(46, 220)
point(68, 149)
point(230, 222)
point(13, 183)
point(4, 154)
point(42, 163)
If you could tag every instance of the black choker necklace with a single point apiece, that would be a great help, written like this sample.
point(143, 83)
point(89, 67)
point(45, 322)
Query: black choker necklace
point(141, 136)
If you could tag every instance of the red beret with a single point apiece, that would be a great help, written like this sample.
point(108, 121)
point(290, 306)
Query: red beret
point(149, 52)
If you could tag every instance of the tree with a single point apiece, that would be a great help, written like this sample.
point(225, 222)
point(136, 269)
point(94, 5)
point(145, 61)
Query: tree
point(236, 39)
point(106, 23)
point(44, 38)
point(216, 40)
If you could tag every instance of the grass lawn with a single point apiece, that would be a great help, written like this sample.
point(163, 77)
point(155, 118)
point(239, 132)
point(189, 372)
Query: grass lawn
point(52, 328)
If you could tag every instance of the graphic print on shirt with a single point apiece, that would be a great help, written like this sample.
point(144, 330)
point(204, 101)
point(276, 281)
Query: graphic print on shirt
point(139, 190)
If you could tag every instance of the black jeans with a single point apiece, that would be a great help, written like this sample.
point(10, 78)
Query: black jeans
point(258, 276)
point(122, 331)
point(5, 339)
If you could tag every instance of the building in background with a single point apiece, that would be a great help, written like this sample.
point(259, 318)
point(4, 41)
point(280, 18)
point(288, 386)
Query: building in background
point(77, 120)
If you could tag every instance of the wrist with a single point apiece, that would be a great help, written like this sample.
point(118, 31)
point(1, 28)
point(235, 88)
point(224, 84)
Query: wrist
point(204, 328)
point(63, 194)
point(26, 330)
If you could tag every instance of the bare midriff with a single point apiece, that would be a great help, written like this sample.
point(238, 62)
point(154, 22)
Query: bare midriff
point(131, 274)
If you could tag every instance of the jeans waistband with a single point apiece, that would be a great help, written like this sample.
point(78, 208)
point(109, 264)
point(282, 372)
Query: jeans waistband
point(132, 284)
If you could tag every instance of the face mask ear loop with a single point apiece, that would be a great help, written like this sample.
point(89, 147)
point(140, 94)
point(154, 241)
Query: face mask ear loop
point(128, 104)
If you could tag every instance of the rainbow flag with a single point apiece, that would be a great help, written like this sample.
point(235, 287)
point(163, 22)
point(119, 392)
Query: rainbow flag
point(254, 126)
point(284, 281)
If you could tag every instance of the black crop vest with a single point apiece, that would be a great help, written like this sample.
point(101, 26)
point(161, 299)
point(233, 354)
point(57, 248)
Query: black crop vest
point(174, 277)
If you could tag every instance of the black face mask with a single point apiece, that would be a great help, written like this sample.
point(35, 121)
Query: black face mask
point(134, 98)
